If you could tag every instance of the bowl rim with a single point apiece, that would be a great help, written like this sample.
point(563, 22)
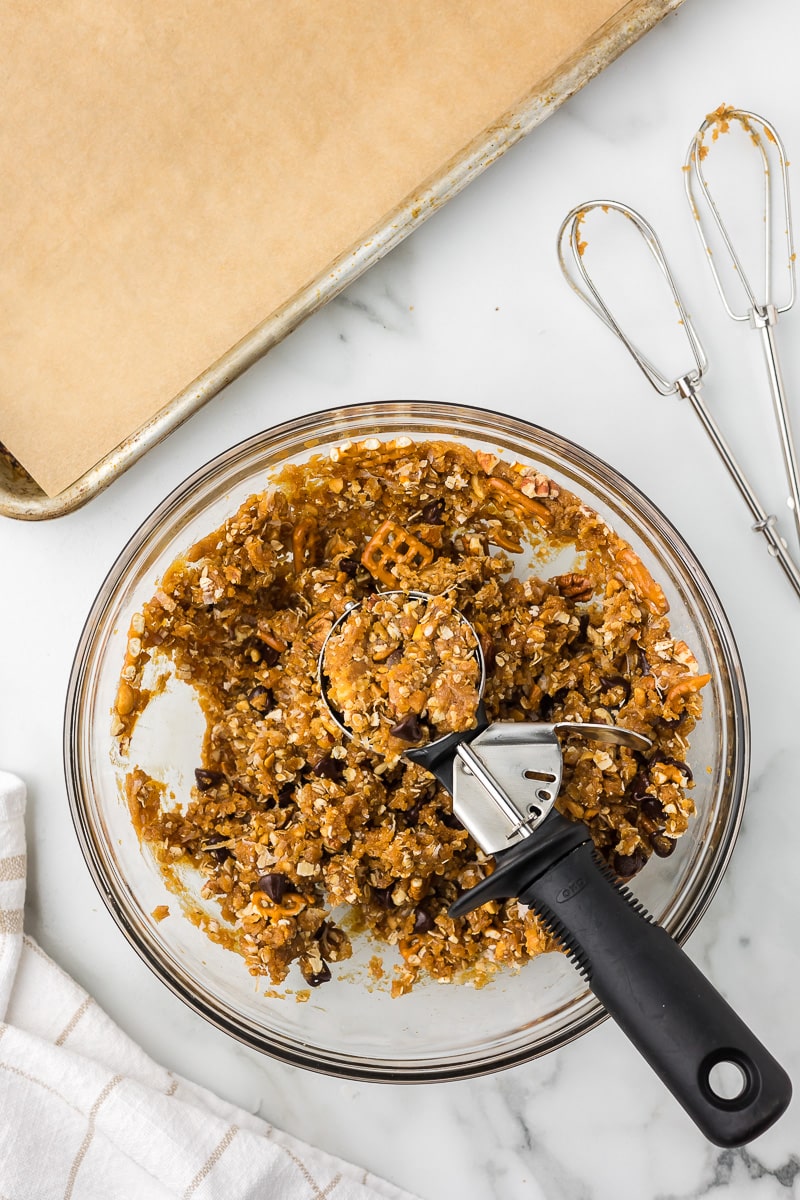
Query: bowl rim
point(319, 1059)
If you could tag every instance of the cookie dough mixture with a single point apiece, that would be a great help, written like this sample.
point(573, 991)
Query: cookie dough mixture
point(304, 835)
point(403, 669)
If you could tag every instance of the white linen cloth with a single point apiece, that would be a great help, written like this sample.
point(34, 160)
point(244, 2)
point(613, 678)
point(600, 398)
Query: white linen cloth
point(85, 1114)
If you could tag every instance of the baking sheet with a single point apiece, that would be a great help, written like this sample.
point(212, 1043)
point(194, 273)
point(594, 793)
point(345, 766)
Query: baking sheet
point(216, 201)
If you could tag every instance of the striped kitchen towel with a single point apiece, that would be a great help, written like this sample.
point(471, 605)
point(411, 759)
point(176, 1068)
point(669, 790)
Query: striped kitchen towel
point(86, 1115)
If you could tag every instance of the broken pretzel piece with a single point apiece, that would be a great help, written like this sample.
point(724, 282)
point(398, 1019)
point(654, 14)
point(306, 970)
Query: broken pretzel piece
point(503, 539)
point(643, 583)
point(305, 536)
point(518, 499)
point(290, 905)
point(391, 546)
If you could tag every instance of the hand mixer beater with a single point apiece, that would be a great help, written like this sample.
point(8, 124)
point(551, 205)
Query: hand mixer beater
point(573, 251)
point(761, 304)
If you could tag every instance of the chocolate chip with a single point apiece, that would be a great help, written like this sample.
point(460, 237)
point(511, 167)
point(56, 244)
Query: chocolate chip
point(349, 566)
point(259, 698)
point(394, 657)
point(333, 943)
point(673, 762)
point(637, 788)
point(207, 779)
point(412, 814)
point(662, 845)
point(651, 808)
point(548, 703)
point(432, 513)
point(423, 921)
point(315, 978)
point(286, 794)
point(220, 853)
point(273, 885)
point(269, 655)
point(612, 682)
point(627, 865)
point(329, 768)
point(383, 895)
point(407, 728)
point(449, 819)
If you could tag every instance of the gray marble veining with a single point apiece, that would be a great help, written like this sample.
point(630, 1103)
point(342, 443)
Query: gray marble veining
point(474, 308)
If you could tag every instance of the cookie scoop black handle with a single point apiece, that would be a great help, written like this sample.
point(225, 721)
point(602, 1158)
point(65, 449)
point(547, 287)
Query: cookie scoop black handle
point(662, 1002)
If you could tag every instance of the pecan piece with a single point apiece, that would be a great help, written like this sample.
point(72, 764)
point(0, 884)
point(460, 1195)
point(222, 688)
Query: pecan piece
point(539, 485)
point(573, 586)
point(684, 687)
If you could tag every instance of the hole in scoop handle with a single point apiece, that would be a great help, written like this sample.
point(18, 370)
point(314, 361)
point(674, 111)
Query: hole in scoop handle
point(680, 1024)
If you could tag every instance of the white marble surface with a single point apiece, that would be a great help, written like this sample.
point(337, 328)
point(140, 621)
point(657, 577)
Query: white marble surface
point(473, 308)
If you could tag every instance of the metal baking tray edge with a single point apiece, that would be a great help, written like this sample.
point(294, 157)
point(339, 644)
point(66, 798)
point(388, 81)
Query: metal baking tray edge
point(22, 498)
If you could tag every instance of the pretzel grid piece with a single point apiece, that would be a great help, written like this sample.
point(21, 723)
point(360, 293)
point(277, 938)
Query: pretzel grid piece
point(392, 547)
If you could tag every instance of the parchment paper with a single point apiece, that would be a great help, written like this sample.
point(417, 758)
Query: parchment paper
point(174, 172)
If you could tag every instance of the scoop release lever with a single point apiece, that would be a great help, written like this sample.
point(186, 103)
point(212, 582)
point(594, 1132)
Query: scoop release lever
point(504, 778)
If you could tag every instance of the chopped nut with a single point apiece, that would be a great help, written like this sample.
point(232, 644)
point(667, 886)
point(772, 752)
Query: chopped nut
point(487, 462)
point(574, 587)
point(126, 699)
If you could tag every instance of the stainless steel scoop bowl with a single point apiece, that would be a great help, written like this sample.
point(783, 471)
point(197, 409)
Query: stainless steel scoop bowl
point(350, 610)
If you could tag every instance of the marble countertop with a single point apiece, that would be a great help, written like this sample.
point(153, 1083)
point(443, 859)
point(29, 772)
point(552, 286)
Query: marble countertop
point(473, 308)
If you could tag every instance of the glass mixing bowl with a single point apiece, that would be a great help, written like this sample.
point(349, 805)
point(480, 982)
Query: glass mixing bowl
point(351, 1026)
